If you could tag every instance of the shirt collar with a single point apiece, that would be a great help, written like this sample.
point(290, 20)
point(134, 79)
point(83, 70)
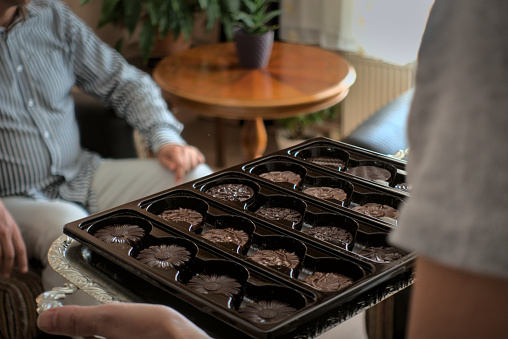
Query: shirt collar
point(24, 12)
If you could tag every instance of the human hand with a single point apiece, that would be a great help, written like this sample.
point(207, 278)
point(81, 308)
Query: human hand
point(12, 246)
point(180, 159)
point(119, 321)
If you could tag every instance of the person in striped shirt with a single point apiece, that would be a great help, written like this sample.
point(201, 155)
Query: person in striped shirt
point(47, 178)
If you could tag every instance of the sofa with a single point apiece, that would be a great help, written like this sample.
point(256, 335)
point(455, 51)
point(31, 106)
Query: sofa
point(103, 132)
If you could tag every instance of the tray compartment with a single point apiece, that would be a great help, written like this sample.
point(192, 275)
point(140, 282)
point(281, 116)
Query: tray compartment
point(236, 182)
point(360, 200)
point(327, 183)
point(220, 280)
point(166, 253)
point(327, 156)
point(353, 165)
point(378, 240)
point(280, 166)
point(284, 210)
point(332, 221)
point(337, 266)
point(236, 223)
point(121, 229)
point(270, 303)
point(294, 248)
point(174, 203)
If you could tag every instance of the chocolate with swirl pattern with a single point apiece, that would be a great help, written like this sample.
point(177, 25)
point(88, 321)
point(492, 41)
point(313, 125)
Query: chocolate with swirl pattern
point(326, 193)
point(282, 176)
point(278, 257)
point(280, 213)
point(328, 282)
point(231, 192)
point(377, 210)
point(331, 234)
point(120, 234)
point(265, 311)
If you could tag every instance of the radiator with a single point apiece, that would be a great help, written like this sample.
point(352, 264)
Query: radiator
point(377, 83)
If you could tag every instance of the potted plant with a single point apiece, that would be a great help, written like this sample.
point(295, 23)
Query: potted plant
point(253, 33)
point(294, 130)
point(160, 18)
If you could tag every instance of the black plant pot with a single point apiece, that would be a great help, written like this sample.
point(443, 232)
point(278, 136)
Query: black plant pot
point(253, 50)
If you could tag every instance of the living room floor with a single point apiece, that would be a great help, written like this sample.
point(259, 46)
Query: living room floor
point(201, 132)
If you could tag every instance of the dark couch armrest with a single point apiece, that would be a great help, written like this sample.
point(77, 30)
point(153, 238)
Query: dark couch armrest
point(101, 130)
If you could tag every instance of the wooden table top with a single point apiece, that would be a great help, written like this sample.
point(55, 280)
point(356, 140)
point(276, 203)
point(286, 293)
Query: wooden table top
point(299, 79)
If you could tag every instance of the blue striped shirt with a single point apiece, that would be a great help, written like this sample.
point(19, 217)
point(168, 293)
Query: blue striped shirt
point(45, 53)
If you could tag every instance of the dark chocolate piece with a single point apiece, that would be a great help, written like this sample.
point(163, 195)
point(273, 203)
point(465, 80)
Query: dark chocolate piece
point(384, 254)
point(278, 257)
point(215, 284)
point(331, 234)
point(278, 213)
point(267, 311)
point(370, 172)
point(327, 161)
point(164, 256)
point(377, 210)
point(326, 193)
point(230, 235)
point(120, 234)
point(284, 176)
point(231, 192)
point(183, 214)
point(328, 282)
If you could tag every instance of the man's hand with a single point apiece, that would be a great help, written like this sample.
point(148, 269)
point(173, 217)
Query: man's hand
point(180, 159)
point(119, 321)
point(12, 246)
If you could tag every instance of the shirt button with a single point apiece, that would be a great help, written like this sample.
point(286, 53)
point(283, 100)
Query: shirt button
point(46, 135)
point(19, 68)
point(30, 103)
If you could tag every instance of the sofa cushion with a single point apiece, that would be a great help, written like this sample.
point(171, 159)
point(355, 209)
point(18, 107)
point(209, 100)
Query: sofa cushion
point(385, 131)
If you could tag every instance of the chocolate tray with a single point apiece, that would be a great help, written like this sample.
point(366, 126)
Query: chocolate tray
point(295, 258)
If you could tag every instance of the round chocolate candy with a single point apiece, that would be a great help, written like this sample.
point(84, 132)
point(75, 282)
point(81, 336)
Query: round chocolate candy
point(377, 210)
point(120, 234)
point(278, 257)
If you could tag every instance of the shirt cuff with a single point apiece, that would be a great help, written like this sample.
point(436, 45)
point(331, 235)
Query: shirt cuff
point(165, 136)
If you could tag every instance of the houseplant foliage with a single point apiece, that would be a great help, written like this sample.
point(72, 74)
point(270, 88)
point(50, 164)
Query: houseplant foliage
point(254, 16)
point(254, 33)
point(298, 127)
point(158, 18)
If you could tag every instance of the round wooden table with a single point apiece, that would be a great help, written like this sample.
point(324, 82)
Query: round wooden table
point(299, 79)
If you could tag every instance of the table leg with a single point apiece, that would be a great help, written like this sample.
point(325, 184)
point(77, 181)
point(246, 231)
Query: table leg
point(254, 138)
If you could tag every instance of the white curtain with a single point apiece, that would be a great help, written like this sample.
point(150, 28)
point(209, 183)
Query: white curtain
point(389, 30)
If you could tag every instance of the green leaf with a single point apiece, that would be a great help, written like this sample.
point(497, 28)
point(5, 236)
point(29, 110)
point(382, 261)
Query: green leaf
point(146, 40)
point(119, 45)
point(108, 11)
point(153, 9)
point(132, 15)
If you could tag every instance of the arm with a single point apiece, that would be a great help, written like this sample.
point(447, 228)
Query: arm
point(102, 72)
point(119, 321)
point(12, 246)
point(453, 303)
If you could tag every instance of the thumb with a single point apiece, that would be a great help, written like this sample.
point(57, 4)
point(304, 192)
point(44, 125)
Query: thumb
point(69, 321)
